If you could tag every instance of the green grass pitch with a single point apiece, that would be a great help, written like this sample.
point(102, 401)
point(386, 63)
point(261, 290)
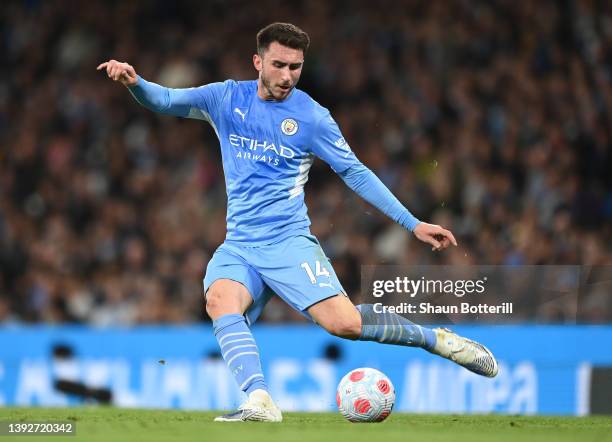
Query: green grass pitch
point(114, 424)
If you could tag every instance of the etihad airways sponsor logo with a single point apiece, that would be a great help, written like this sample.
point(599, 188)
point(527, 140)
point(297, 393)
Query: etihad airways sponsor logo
point(264, 147)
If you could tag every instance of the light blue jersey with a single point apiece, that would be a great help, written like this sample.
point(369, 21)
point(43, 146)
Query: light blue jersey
point(268, 148)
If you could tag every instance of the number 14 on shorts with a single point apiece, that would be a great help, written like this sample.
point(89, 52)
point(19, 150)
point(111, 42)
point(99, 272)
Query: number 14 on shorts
point(319, 271)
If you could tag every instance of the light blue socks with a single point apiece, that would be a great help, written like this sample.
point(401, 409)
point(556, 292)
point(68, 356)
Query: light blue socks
point(240, 352)
point(391, 328)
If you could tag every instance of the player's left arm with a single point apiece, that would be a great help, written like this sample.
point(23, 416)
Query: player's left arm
point(331, 147)
point(367, 185)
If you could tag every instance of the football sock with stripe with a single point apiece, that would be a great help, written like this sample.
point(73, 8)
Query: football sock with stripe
point(240, 352)
point(391, 328)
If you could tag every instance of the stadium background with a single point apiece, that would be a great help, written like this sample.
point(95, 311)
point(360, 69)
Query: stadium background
point(492, 118)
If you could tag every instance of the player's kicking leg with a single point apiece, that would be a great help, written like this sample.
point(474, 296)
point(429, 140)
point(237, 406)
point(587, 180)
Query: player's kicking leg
point(226, 302)
point(340, 317)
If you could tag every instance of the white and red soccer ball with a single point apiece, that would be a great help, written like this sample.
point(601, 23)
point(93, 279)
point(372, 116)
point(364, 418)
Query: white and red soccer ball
point(365, 395)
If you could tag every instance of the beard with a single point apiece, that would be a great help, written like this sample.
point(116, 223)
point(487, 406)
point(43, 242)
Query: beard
point(269, 89)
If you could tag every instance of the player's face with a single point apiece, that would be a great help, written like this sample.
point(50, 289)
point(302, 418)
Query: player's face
point(279, 69)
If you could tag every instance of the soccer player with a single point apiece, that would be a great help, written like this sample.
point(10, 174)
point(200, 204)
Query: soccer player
point(270, 132)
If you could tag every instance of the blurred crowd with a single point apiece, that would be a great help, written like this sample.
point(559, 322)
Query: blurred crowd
point(493, 118)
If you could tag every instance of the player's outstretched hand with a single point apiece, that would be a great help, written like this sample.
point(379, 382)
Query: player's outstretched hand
point(437, 236)
point(118, 71)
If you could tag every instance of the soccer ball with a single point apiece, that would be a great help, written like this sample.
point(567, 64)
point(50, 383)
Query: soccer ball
point(365, 395)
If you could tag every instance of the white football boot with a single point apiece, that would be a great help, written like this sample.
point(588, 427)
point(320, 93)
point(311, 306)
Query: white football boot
point(465, 352)
point(259, 407)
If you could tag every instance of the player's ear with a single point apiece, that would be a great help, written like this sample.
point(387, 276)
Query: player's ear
point(257, 62)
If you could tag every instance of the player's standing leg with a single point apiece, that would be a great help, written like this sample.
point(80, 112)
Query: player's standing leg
point(226, 303)
point(340, 317)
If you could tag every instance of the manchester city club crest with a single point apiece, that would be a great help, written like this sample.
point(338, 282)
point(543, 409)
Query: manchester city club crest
point(289, 126)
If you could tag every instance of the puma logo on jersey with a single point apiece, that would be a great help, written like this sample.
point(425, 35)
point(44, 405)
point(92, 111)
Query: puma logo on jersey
point(239, 112)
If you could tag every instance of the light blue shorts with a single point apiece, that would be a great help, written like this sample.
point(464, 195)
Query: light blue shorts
point(296, 269)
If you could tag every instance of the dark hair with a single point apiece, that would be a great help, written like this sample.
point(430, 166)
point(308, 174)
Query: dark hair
point(284, 33)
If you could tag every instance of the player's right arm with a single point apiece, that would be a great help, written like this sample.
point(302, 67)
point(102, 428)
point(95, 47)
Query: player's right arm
point(121, 72)
point(199, 102)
